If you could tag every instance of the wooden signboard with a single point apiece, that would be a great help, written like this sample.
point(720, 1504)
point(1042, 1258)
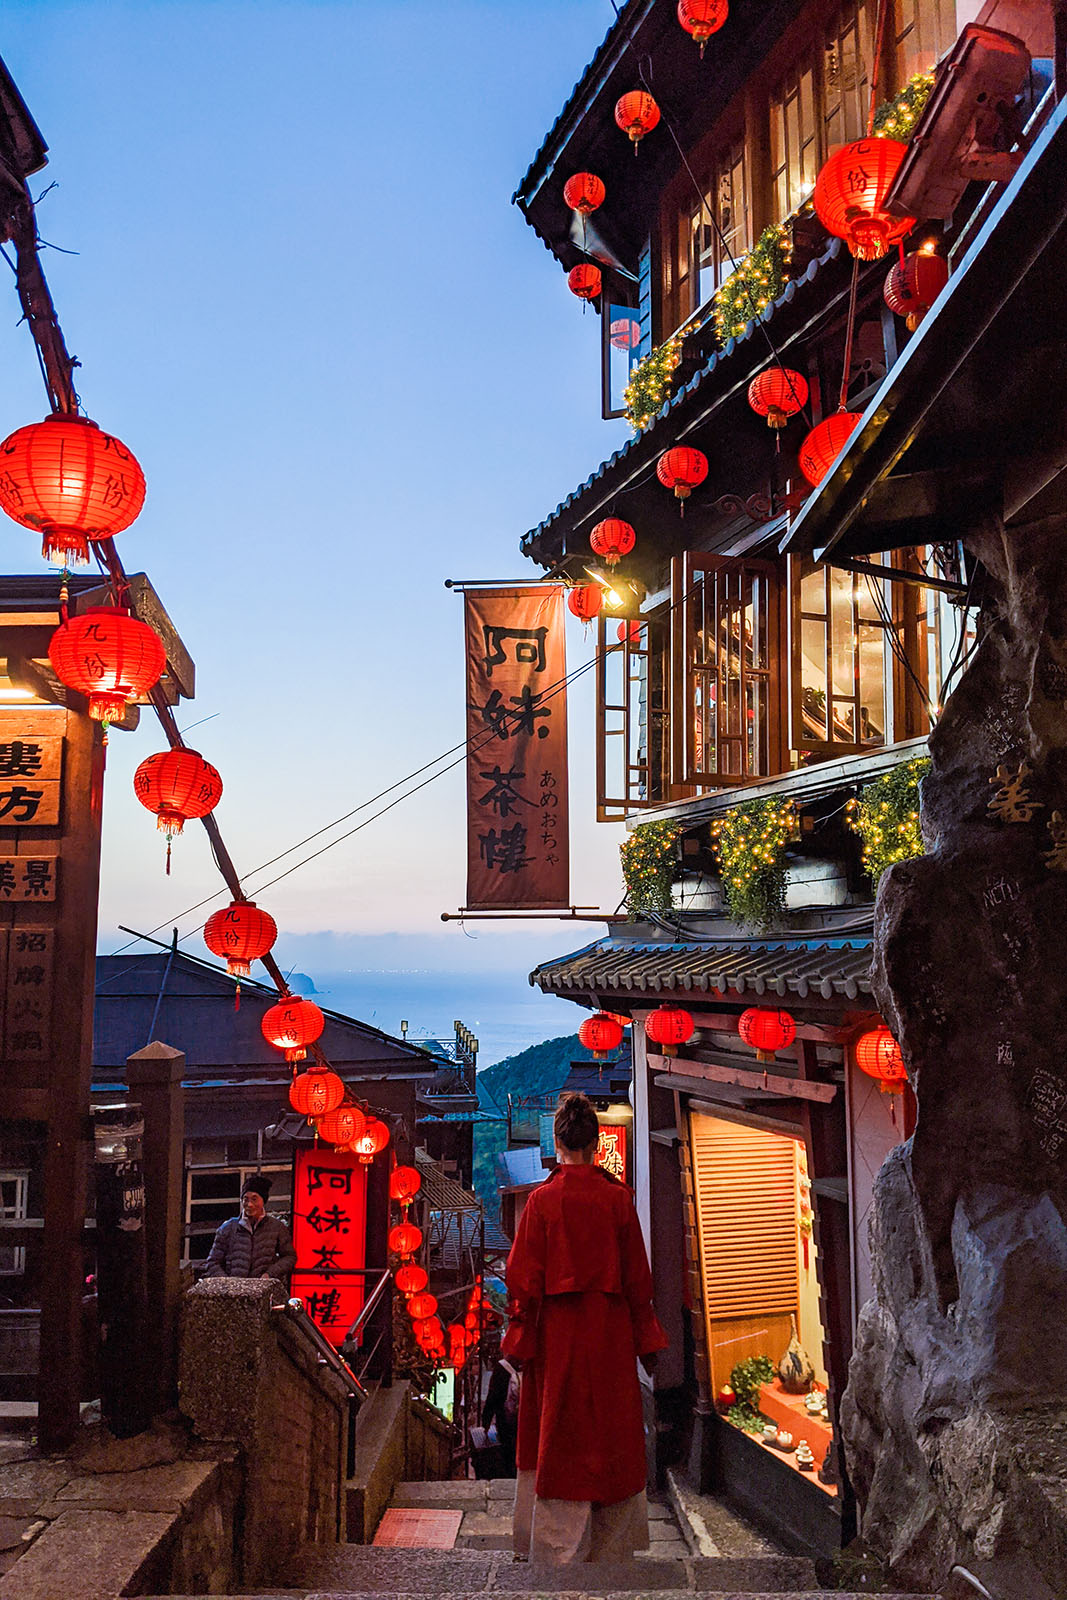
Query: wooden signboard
point(51, 778)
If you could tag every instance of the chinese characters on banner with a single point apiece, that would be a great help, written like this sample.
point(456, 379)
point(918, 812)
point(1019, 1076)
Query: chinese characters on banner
point(611, 1152)
point(517, 815)
point(330, 1237)
point(31, 768)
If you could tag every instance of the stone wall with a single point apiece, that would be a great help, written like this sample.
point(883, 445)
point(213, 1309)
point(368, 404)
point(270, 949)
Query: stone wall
point(250, 1374)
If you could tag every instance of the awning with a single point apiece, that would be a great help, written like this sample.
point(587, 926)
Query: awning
point(824, 969)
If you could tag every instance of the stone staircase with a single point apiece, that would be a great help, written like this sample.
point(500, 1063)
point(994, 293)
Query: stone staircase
point(480, 1562)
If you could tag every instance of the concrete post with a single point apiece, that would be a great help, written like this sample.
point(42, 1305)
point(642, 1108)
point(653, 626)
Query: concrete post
point(154, 1075)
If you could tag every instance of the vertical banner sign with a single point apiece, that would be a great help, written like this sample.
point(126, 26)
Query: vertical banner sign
point(611, 1152)
point(330, 1237)
point(517, 816)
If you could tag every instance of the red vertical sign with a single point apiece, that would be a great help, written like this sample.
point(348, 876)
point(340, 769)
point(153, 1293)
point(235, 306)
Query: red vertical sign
point(611, 1151)
point(517, 818)
point(330, 1237)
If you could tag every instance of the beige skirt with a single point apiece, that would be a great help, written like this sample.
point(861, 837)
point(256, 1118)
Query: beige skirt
point(554, 1532)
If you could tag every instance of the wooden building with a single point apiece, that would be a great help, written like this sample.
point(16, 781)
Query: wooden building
point(782, 642)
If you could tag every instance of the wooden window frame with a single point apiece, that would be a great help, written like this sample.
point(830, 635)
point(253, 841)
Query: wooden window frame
point(729, 578)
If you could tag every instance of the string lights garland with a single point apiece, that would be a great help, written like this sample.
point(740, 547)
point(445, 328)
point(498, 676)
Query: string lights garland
point(896, 118)
point(886, 817)
point(749, 842)
point(760, 278)
point(651, 382)
point(649, 859)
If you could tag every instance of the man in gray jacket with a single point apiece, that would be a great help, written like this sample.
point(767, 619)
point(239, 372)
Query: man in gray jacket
point(253, 1245)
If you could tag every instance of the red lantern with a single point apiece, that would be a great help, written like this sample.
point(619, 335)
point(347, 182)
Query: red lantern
point(109, 656)
point(404, 1183)
point(702, 18)
point(586, 601)
point(72, 482)
point(410, 1278)
point(825, 443)
point(637, 114)
point(429, 1332)
point(291, 1025)
point(766, 1031)
point(669, 1026)
point(341, 1126)
point(879, 1056)
point(473, 1323)
point(584, 193)
point(612, 539)
point(177, 785)
point(584, 281)
point(625, 333)
point(850, 196)
point(778, 394)
point(405, 1239)
point(629, 631)
point(316, 1092)
point(421, 1307)
point(681, 469)
point(601, 1034)
point(241, 933)
point(371, 1141)
point(914, 284)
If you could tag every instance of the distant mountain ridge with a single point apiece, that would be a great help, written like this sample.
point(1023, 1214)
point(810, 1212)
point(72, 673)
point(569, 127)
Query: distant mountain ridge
point(541, 1069)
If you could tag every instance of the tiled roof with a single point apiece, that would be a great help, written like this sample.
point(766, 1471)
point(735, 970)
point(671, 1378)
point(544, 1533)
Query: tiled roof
point(715, 361)
point(820, 968)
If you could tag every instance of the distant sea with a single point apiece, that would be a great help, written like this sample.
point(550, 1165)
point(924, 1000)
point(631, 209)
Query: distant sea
point(500, 1008)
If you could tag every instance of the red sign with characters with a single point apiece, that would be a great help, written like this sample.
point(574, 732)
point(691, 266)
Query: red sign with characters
point(517, 821)
point(611, 1152)
point(330, 1236)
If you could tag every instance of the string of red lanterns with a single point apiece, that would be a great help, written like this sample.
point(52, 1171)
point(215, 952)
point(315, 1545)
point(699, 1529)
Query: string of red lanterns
point(240, 933)
point(766, 1031)
point(71, 482)
point(778, 394)
point(372, 1139)
point(109, 656)
point(913, 284)
point(178, 785)
point(682, 469)
point(586, 601)
point(636, 113)
point(824, 444)
point(612, 539)
point(850, 193)
point(315, 1092)
point(879, 1055)
point(702, 18)
point(669, 1027)
point(601, 1033)
point(584, 193)
point(291, 1024)
point(584, 280)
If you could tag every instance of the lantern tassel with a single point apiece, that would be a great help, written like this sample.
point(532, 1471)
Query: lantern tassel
point(237, 996)
point(168, 855)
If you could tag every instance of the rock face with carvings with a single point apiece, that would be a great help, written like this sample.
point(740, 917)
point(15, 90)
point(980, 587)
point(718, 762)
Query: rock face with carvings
point(955, 1417)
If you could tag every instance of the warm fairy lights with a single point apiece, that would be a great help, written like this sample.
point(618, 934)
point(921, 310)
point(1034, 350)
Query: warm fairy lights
point(649, 859)
point(651, 382)
point(749, 842)
point(886, 817)
point(760, 278)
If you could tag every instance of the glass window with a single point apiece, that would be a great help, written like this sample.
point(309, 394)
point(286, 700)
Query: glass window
point(844, 79)
point(794, 140)
point(14, 1189)
point(632, 715)
point(622, 352)
point(842, 666)
point(925, 30)
point(712, 235)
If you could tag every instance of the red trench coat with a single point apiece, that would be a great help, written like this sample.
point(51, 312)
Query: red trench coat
point(580, 1294)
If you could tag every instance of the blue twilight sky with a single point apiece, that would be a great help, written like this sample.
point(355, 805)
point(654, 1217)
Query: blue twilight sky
point(349, 370)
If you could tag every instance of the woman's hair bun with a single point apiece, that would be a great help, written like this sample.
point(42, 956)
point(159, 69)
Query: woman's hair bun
point(576, 1126)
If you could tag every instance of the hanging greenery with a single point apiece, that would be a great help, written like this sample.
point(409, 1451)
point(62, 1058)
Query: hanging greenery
point(896, 118)
point(886, 817)
point(749, 842)
point(649, 859)
point(745, 1380)
point(761, 277)
point(651, 382)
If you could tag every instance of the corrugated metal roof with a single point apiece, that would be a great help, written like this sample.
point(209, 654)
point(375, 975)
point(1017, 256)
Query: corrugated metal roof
point(440, 1190)
point(741, 347)
point(821, 969)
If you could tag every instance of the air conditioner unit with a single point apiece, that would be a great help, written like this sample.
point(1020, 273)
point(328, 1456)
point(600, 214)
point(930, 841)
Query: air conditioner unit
point(968, 127)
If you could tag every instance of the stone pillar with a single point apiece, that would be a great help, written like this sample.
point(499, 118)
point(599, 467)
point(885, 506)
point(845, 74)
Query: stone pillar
point(154, 1076)
point(955, 1418)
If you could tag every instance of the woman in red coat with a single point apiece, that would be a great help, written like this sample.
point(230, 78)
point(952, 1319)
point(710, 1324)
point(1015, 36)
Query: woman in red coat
point(580, 1294)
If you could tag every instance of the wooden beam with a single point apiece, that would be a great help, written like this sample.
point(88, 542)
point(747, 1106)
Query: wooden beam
point(742, 1078)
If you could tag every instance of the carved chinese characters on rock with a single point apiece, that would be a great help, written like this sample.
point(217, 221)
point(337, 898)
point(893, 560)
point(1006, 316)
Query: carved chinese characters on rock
point(329, 1234)
point(517, 817)
point(31, 773)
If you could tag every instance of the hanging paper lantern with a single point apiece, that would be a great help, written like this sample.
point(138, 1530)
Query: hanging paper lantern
point(612, 539)
point(404, 1183)
point(625, 333)
point(109, 656)
point(291, 1025)
point(241, 933)
point(825, 443)
point(914, 284)
point(778, 394)
point(411, 1278)
point(850, 196)
point(421, 1307)
point(879, 1056)
point(584, 193)
point(702, 18)
point(601, 1034)
point(315, 1092)
point(586, 601)
point(428, 1332)
point(669, 1026)
point(405, 1239)
point(473, 1323)
point(177, 785)
point(584, 281)
point(682, 469)
point(341, 1125)
point(637, 114)
point(630, 631)
point(70, 481)
point(766, 1031)
point(371, 1141)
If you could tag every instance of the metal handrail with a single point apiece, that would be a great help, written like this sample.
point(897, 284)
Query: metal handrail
point(385, 1276)
point(328, 1356)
